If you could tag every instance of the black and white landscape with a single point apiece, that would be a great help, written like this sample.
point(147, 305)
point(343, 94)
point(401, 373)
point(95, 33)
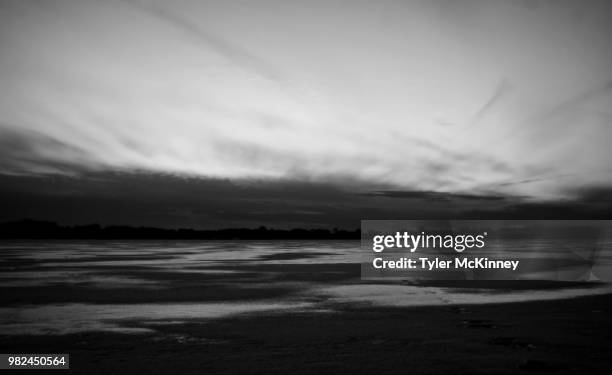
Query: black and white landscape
point(182, 183)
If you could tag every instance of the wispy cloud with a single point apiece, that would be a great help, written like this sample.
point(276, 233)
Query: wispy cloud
point(236, 54)
point(203, 89)
point(502, 89)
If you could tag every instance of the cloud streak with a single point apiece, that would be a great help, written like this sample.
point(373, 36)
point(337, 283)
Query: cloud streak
point(234, 53)
point(91, 87)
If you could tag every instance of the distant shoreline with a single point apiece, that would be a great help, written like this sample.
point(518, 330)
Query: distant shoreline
point(38, 229)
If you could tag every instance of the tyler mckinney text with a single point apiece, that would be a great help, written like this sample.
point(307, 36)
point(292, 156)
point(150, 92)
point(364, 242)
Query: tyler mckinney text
point(436, 263)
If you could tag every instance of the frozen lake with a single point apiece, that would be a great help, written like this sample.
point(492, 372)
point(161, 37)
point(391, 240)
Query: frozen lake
point(59, 287)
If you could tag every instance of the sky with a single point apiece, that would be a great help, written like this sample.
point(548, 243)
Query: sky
point(385, 106)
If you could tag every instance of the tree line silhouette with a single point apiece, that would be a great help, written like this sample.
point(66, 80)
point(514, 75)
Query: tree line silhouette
point(36, 229)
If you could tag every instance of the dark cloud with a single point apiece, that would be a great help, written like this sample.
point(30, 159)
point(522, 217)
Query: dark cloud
point(172, 201)
point(29, 151)
point(598, 195)
point(436, 196)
